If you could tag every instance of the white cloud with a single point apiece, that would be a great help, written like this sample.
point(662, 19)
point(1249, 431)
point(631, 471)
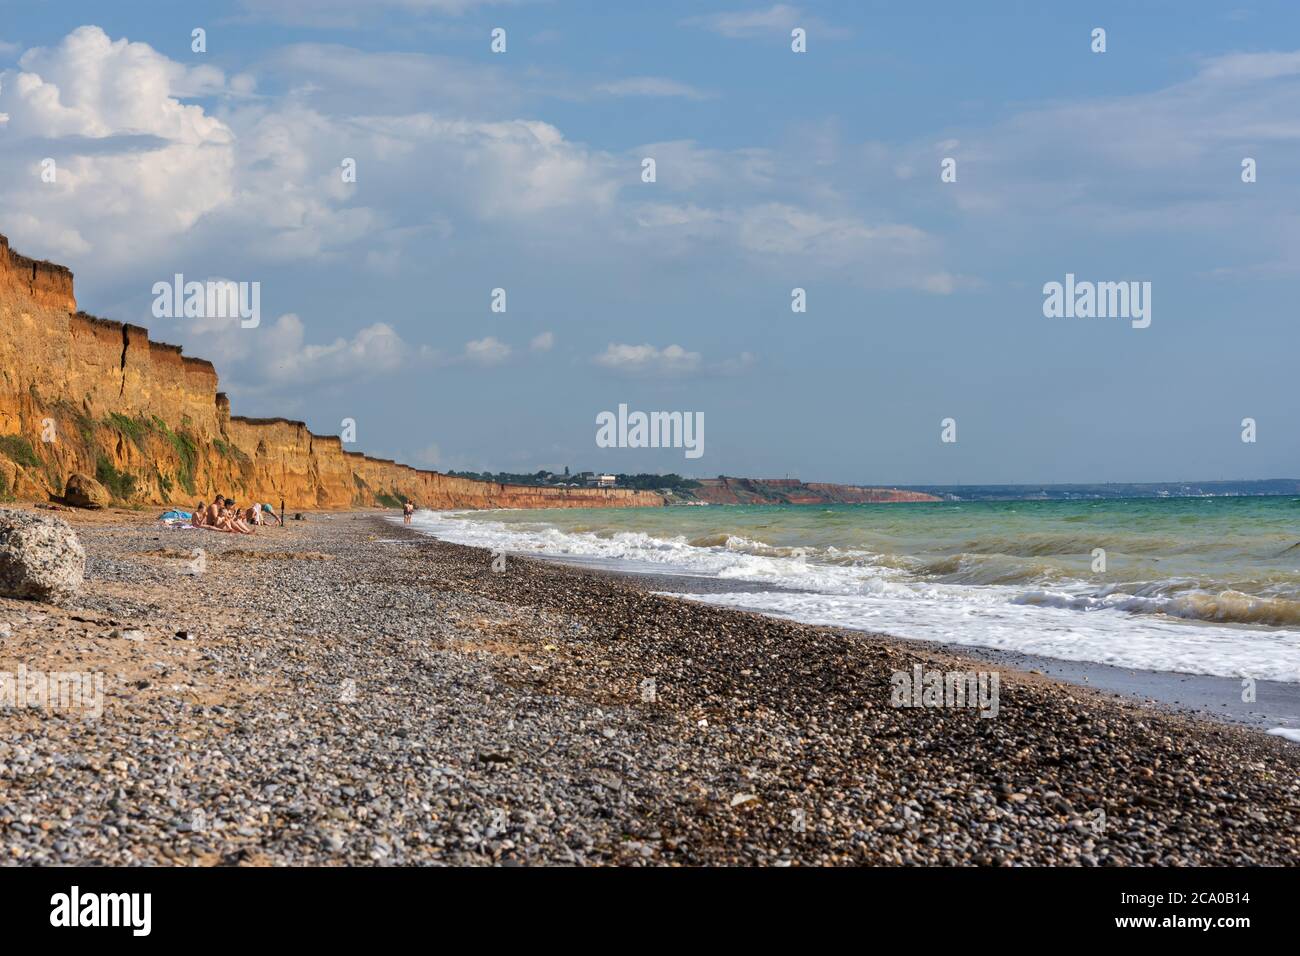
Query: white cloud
point(277, 354)
point(1164, 162)
point(264, 178)
point(741, 363)
point(683, 165)
point(92, 86)
point(781, 229)
point(774, 21)
point(339, 79)
point(132, 159)
point(649, 360)
point(739, 24)
point(672, 361)
point(1250, 67)
point(885, 255)
point(543, 342)
point(652, 86)
point(487, 351)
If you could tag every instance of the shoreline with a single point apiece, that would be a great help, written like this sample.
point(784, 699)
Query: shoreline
point(364, 694)
point(1277, 703)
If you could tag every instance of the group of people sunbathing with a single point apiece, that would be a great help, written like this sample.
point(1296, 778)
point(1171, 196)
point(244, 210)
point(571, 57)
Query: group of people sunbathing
point(222, 515)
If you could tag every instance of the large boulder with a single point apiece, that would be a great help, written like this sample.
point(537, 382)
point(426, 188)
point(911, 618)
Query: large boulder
point(82, 491)
point(40, 557)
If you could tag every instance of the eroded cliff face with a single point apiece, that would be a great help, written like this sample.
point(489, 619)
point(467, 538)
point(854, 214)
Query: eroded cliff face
point(82, 394)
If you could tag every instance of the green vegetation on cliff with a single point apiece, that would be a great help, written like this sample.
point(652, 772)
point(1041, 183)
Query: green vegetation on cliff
point(19, 450)
point(140, 430)
point(120, 484)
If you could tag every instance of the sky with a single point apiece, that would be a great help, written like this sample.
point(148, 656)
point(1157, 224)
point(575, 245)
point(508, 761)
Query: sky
point(522, 170)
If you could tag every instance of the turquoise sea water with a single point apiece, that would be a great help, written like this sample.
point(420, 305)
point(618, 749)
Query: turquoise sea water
point(1210, 585)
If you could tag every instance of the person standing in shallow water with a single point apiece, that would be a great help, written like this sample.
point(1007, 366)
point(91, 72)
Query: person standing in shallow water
point(408, 509)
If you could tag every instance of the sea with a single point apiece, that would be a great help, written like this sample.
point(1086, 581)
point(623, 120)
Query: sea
point(1195, 585)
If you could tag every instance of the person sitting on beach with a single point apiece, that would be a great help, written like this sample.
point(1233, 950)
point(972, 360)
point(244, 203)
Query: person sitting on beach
point(408, 509)
point(200, 517)
point(212, 518)
point(220, 517)
point(269, 516)
point(235, 519)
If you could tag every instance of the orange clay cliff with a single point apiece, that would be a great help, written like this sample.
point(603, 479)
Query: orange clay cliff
point(85, 395)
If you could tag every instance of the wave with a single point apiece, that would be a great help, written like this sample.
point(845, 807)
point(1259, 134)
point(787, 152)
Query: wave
point(1224, 607)
point(1038, 604)
point(977, 569)
point(1050, 544)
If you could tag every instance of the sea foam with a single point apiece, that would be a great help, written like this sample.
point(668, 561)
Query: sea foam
point(1155, 625)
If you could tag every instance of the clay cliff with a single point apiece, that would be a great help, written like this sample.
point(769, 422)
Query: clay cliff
point(79, 394)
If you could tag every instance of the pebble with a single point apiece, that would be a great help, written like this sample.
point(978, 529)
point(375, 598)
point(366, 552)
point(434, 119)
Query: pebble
point(383, 708)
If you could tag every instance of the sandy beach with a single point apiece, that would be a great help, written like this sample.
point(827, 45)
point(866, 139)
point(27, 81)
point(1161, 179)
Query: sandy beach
point(366, 695)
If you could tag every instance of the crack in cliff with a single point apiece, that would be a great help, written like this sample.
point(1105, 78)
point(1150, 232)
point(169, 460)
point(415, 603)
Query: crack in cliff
point(126, 341)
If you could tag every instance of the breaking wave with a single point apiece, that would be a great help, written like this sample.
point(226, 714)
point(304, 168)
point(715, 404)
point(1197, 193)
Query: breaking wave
point(1213, 604)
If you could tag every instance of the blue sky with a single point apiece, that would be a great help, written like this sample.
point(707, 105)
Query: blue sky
point(774, 170)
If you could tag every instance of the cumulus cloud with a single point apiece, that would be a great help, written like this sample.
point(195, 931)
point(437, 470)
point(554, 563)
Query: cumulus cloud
point(131, 158)
point(278, 354)
point(649, 360)
point(91, 85)
point(486, 351)
point(135, 160)
point(671, 361)
point(150, 180)
point(264, 178)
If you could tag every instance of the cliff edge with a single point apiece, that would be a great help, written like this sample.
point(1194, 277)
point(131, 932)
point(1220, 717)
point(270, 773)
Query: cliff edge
point(84, 394)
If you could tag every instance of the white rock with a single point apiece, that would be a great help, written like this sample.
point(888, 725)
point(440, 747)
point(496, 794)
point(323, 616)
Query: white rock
point(40, 557)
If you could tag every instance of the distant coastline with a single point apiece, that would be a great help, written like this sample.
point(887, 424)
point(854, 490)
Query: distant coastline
point(1111, 490)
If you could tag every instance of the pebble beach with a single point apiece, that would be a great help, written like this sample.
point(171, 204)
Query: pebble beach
point(345, 691)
